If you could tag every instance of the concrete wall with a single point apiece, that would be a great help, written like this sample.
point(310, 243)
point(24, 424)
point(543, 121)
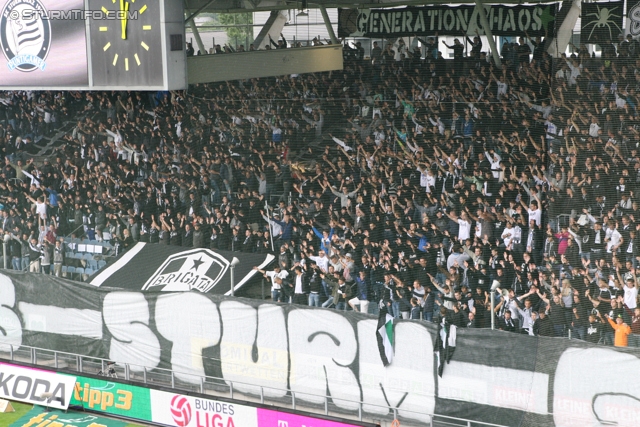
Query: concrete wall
point(214, 68)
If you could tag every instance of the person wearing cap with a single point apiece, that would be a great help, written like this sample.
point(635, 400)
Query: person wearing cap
point(348, 267)
point(622, 330)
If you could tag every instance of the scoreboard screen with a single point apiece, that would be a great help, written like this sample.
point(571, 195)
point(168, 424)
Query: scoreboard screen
point(93, 44)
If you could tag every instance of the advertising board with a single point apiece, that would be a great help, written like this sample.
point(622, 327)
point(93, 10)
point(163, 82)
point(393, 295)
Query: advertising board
point(179, 410)
point(35, 386)
point(112, 398)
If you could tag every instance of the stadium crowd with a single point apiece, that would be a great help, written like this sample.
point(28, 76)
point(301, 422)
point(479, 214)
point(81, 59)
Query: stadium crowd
point(402, 181)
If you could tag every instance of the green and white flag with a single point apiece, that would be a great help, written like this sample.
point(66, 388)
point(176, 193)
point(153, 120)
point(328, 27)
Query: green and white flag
point(385, 336)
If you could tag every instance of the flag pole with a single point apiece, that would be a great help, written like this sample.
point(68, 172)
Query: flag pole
point(266, 205)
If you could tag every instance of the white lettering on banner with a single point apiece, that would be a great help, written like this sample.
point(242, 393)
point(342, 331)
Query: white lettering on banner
point(64, 321)
point(10, 327)
point(30, 386)
point(322, 347)
point(180, 319)
point(584, 396)
point(186, 411)
point(253, 349)
point(126, 314)
point(476, 383)
point(400, 385)
point(450, 20)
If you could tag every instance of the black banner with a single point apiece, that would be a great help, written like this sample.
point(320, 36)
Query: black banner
point(267, 349)
point(601, 21)
point(155, 267)
point(538, 20)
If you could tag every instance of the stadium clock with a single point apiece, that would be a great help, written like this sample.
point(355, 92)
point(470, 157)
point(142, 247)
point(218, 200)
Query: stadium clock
point(127, 43)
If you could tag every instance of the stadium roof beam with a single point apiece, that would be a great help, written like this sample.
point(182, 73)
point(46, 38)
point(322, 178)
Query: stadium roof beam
point(327, 22)
point(272, 28)
point(200, 9)
point(243, 6)
point(193, 26)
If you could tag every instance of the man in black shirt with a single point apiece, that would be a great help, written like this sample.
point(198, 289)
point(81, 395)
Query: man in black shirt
point(508, 323)
point(594, 330)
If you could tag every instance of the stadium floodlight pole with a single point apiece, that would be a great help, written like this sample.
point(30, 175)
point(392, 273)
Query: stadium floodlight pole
point(487, 32)
point(235, 261)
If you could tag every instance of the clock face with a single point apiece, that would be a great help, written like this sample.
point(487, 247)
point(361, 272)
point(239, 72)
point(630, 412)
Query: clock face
point(126, 49)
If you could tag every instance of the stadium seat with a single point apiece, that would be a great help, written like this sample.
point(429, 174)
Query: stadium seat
point(80, 272)
point(93, 264)
point(102, 264)
point(70, 272)
point(89, 271)
point(64, 269)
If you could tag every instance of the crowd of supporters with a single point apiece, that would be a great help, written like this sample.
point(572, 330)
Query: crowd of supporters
point(404, 181)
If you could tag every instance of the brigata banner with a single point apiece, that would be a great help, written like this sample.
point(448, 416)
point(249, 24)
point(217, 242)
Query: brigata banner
point(35, 386)
point(536, 20)
point(161, 268)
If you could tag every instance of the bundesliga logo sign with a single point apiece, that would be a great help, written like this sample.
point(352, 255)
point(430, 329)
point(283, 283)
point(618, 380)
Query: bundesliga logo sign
point(207, 413)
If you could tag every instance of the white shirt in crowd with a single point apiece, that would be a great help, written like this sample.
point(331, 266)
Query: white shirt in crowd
point(630, 296)
point(464, 232)
point(283, 274)
point(614, 238)
point(535, 215)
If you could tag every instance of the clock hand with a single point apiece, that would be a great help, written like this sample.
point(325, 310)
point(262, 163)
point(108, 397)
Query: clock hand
point(124, 8)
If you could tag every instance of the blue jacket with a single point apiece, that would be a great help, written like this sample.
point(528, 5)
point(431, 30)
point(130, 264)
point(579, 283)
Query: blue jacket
point(324, 245)
point(287, 229)
point(363, 289)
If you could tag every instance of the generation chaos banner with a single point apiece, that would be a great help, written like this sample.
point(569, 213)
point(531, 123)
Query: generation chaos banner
point(536, 20)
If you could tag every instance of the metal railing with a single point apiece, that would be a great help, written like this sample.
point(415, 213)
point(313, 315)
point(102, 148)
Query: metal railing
point(220, 387)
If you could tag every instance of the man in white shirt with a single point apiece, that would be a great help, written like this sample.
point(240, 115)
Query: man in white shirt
point(594, 127)
point(277, 276)
point(630, 293)
point(511, 234)
point(464, 229)
point(322, 261)
point(535, 213)
point(299, 296)
point(613, 238)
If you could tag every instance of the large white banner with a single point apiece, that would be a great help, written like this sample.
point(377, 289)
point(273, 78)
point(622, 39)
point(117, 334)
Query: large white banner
point(35, 386)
